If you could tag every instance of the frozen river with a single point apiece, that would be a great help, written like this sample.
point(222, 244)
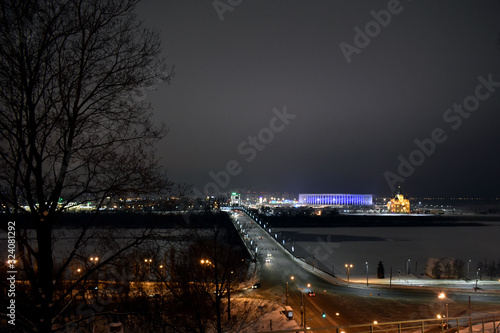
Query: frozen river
point(332, 248)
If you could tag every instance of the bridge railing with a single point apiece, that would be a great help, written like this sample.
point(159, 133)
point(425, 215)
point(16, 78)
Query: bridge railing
point(483, 324)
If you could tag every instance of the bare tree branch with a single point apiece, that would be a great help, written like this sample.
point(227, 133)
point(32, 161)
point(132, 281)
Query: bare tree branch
point(73, 128)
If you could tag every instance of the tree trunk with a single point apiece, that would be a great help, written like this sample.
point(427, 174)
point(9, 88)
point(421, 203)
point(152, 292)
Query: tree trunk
point(45, 292)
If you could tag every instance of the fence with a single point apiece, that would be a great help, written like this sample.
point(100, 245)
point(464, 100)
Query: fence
point(483, 324)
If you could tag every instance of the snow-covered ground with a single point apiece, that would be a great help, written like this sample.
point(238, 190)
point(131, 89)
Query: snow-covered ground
point(487, 328)
point(272, 320)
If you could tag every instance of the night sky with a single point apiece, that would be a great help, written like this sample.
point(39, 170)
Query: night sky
point(330, 96)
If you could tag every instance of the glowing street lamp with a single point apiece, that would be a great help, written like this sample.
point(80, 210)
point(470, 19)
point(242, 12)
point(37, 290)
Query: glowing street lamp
point(443, 296)
point(407, 268)
point(348, 266)
point(286, 296)
point(148, 261)
point(95, 260)
point(366, 272)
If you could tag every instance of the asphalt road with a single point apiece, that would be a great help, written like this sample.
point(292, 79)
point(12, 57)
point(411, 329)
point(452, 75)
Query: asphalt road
point(348, 304)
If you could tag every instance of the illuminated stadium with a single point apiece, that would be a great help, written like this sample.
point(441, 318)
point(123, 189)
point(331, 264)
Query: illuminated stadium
point(336, 199)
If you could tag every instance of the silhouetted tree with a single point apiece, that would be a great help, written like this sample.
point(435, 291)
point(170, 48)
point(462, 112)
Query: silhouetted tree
point(380, 270)
point(491, 270)
point(73, 128)
point(199, 279)
point(437, 269)
point(459, 266)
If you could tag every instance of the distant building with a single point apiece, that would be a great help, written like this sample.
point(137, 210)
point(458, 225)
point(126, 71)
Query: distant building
point(399, 204)
point(235, 199)
point(336, 199)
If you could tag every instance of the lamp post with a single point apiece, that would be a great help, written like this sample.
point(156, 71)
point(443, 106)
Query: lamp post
point(148, 261)
point(367, 273)
point(348, 266)
point(94, 260)
point(407, 269)
point(443, 296)
point(286, 295)
point(447, 325)
point(302, 309)
point(477, 276)
point(229, 297)
point(468, 266)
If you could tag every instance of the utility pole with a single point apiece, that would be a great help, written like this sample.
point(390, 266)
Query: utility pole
point(229, 297)
point(302, 308)
point(286, 296)
point(305, 319)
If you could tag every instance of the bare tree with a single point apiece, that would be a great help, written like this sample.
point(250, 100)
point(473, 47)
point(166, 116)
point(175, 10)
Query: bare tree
point(199, 275)
point(73, 128)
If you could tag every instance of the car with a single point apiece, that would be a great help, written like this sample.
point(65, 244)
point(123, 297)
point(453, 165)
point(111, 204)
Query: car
point(268, 260)
point(311, 293)
point(255, 286)
point(261, 237)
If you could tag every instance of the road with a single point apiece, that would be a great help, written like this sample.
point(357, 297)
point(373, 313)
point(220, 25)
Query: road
point(348, 304)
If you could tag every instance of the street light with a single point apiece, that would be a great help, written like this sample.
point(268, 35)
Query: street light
point(468, 266)
point(447, 324)
point(148, 261)
point(348, 266)
point(206, 262)
point(367, 273)
point(443, 296)
point(286, 296)
point(303, 307)
point(95, 260)
point(407, 269)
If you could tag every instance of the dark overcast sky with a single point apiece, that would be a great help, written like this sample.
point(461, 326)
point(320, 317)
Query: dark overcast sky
point(352, 120)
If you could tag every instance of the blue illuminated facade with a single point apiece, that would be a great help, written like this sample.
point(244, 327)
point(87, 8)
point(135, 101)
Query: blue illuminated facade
point(336, 199)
